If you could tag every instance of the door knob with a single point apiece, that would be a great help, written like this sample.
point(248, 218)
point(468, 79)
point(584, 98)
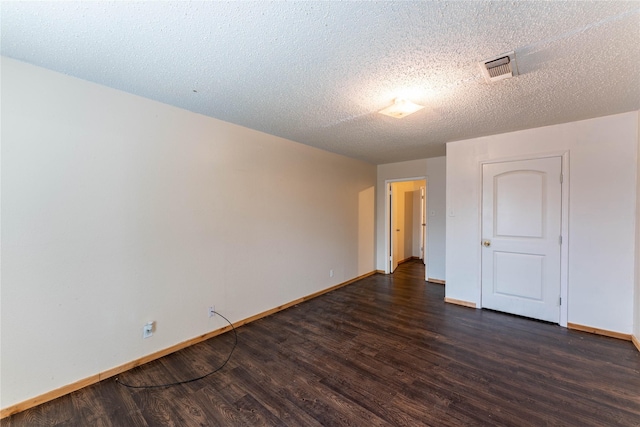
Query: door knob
point(486, 243)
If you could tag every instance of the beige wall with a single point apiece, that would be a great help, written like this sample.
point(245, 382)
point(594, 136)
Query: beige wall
point(118, 210)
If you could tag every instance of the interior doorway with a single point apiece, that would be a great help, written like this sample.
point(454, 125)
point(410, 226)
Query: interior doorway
point(406, 225)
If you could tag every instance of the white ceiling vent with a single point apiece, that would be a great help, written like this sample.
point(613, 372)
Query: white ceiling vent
point(501, 67)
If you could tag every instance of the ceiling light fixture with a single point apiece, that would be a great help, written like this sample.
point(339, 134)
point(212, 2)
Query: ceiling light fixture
point(401, 108)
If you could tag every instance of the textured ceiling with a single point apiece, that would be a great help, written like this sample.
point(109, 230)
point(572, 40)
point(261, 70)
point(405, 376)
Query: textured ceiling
point(318, 72)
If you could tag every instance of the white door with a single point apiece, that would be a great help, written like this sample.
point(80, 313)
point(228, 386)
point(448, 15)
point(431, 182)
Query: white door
point(521, 237)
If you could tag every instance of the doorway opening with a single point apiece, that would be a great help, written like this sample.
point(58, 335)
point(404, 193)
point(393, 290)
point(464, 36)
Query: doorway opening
point(406, 233)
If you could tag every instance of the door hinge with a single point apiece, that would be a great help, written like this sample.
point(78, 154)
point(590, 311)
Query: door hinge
point(560, 300)
point(561, 178)
point(560, 239)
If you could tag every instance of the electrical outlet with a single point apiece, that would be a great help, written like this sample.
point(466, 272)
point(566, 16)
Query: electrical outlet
point(147, 330)
point(212, 311)
point(330, 273)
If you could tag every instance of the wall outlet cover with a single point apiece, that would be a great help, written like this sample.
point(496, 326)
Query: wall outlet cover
point(147, 330)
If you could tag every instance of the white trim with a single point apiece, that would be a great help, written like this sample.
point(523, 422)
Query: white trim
point(564, 250)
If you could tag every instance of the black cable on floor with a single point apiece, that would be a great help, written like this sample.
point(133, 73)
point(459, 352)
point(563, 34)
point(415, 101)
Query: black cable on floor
point(235, 334)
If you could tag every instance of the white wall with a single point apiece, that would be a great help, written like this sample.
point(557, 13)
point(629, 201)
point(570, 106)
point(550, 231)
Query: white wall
point(117, 210)
point(436, 217)
point(602, 194)
point(434, 170)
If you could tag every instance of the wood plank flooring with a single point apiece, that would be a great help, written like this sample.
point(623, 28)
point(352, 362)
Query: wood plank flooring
point(384, 351)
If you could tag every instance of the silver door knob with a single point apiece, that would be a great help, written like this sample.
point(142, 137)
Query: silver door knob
point(486, 243)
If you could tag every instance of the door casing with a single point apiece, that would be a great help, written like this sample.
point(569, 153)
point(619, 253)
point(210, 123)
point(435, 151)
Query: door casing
point(387, 219)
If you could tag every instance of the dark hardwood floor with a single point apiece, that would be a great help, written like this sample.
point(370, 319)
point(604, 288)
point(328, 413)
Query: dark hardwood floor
point(383, 351)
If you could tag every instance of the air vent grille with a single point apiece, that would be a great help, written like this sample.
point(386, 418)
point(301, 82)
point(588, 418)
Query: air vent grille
point(500, 67)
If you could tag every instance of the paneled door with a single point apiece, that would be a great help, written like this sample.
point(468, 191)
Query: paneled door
point(521, 237)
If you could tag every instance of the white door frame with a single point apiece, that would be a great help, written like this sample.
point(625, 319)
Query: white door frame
point(423, 224)
point(564, 250)
point(387, 217)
